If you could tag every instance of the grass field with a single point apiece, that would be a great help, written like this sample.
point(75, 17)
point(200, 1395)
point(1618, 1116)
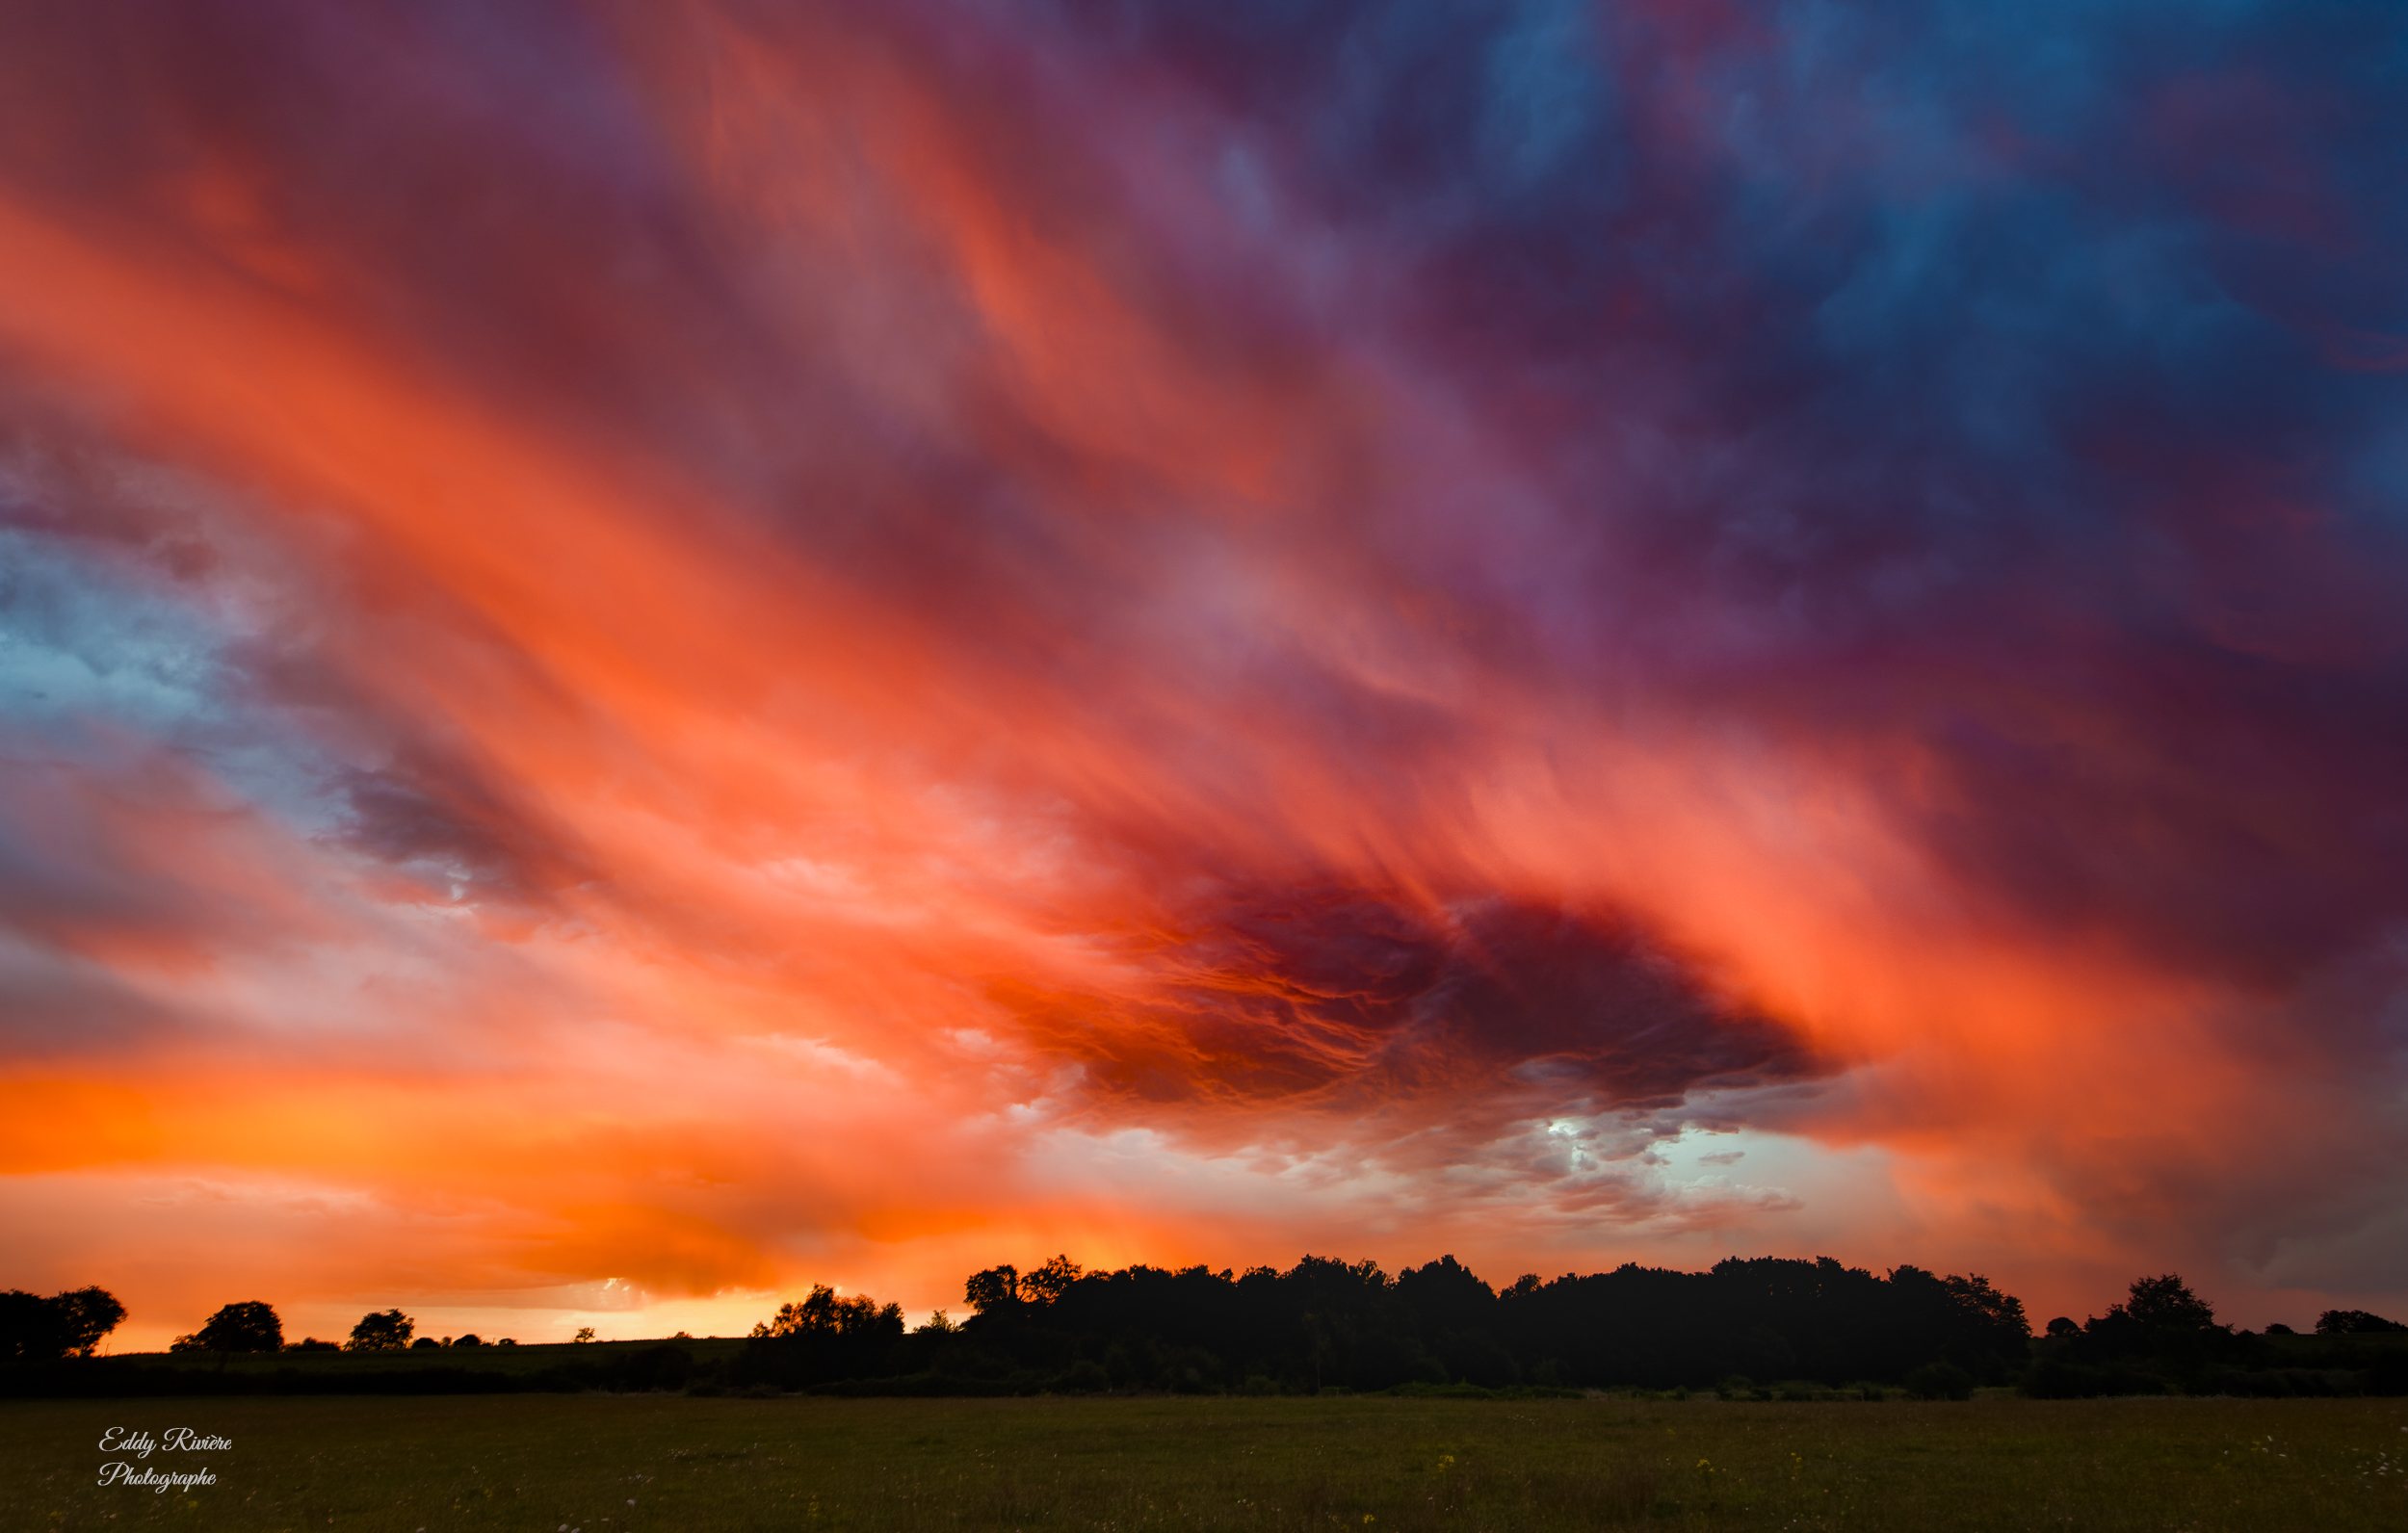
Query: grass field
point(635, 1463)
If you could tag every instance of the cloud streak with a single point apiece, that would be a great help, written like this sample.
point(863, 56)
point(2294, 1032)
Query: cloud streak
point(694, 649)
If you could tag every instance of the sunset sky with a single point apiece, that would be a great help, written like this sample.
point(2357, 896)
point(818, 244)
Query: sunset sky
point(650, 653)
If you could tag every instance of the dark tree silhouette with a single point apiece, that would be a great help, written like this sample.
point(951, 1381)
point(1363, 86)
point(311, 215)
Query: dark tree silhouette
point(2354, 1323)
point(826, 1336)
point(1329, 1323)
point(383, 1331)
point(2163, 1335)
point(32, 1330)
point(249, 1327)
point(2166, 1304)
point(995, 1288)
point(825, 1314)
point(85, 1316)
point(2161, 1318)
point(1049, 1282)
point(37, 1330)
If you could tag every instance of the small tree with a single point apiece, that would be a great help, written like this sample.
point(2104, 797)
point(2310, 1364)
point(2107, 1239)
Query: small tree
point(2168, 1304)
point(383, 1331)
point(585, 1332)
point(251, 1327)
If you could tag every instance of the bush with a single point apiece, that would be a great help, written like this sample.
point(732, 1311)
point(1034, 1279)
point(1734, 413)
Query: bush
point(1940, 1381)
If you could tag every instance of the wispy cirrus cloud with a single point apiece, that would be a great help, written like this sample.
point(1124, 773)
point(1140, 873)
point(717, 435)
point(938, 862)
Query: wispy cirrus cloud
point(682, 650)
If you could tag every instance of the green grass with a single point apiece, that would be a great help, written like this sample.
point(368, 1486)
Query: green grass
point(1369, 1464)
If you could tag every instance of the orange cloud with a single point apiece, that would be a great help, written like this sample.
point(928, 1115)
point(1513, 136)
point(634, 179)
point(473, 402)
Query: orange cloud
point(873, 681)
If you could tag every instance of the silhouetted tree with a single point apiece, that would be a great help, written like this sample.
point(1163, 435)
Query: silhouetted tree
point(31, 1329)
point(2159, 1312)
point(2162, 1324)
point(826, 1336)
point(1049, 1282)
point(2166, 1304)
point(249, 1327)
point(383, 1331)
point(1996, 1319)
point(2354, 1323)
point(994, 1290)
point(826, 1313)
point(85, 1316)
point(37, 1330)
point(1457, 1313)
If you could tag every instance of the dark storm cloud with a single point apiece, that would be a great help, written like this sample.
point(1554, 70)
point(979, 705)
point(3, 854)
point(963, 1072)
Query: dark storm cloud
point(2017, 388)
point(1351, 1000)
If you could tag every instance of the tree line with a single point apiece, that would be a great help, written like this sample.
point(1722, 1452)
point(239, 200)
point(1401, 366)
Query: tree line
point(1326, 1323)
point(1745, 1326)
point(1741, 1327)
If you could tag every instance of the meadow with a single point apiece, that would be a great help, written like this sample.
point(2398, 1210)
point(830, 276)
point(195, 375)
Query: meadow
point(636, 1464)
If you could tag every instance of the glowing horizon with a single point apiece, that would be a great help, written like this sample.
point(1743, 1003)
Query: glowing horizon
point(652, 657)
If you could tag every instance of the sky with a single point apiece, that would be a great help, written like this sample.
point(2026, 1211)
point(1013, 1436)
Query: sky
point(653, 653)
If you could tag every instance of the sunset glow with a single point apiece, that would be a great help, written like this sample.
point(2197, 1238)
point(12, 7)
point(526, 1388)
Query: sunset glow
point(651, 653)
